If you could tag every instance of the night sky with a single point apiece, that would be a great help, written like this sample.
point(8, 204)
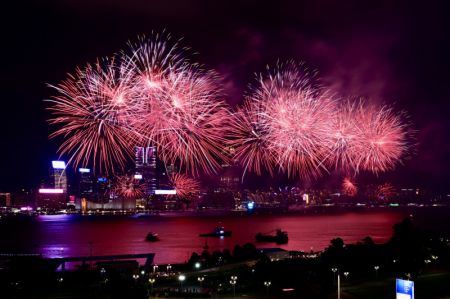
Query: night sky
point(392, 53)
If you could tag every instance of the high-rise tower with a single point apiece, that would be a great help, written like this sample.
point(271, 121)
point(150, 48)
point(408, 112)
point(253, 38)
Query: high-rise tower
point(85, 184)
point(145, 168)
point(59, 176)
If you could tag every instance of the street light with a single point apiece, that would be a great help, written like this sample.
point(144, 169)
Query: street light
point(135, 277)
point(234, 278)
point(181, 278)
point(346, 274)
point(151, 281)
point(267, 284)
point(197, 265)
point(376, 270)
point(169, 267)
point(201, 279)
point(233, 283)
point(155, 268)
point(334, 270)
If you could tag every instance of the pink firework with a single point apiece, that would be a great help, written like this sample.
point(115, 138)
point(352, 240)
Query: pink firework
point(90, 111)
point(298, 127)
point(383, 138)
point(385, 191)
point(185, 120)
point(293, 118)
point(344, 138)
point(184, 185)
point(128, 187)
point(349, 188)
point(248, 138)
point(180, 108)
point(151, 96)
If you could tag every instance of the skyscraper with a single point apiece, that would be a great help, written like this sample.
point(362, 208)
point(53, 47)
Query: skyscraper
point(102, 190)
point(58, 174)
point(85, 184)
point(145, 168)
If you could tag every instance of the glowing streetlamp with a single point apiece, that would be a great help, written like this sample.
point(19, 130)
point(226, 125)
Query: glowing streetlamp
point(267, 284)
point(151, 281)
point(334, 270)
point(233, 283)
point(181, 278)
point(376, 270)
point(197, 265)
point(201, 279)
point(155, 268)
point(135, 277)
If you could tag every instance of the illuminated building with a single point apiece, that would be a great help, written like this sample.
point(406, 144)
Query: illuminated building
point(85, 184)
point(102, 190)
point(145, 168)
point(51, 199)
point(229, 179)
point(58, 174)
point(164, 174)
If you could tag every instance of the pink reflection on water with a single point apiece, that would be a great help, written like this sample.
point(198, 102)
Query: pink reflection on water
point(63, 235)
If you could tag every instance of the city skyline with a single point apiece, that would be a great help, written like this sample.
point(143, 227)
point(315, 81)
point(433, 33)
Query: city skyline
point(373, 64)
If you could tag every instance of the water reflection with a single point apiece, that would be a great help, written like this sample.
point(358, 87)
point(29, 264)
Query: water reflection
point(73, 235)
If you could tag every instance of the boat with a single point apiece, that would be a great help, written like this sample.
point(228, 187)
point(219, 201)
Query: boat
point(280, 237)
point(219, 231)
point(152, 237)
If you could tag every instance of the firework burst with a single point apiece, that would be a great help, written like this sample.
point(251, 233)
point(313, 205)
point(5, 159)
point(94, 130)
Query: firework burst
point(298, 125)
point(128, 187)
point(349, 188)
point(150, 96)
point(344, 138)
point(248, 138)
point(184, 185)
point(383, 138)
point(90, 111)
point(285, 122)
point(385, 191)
